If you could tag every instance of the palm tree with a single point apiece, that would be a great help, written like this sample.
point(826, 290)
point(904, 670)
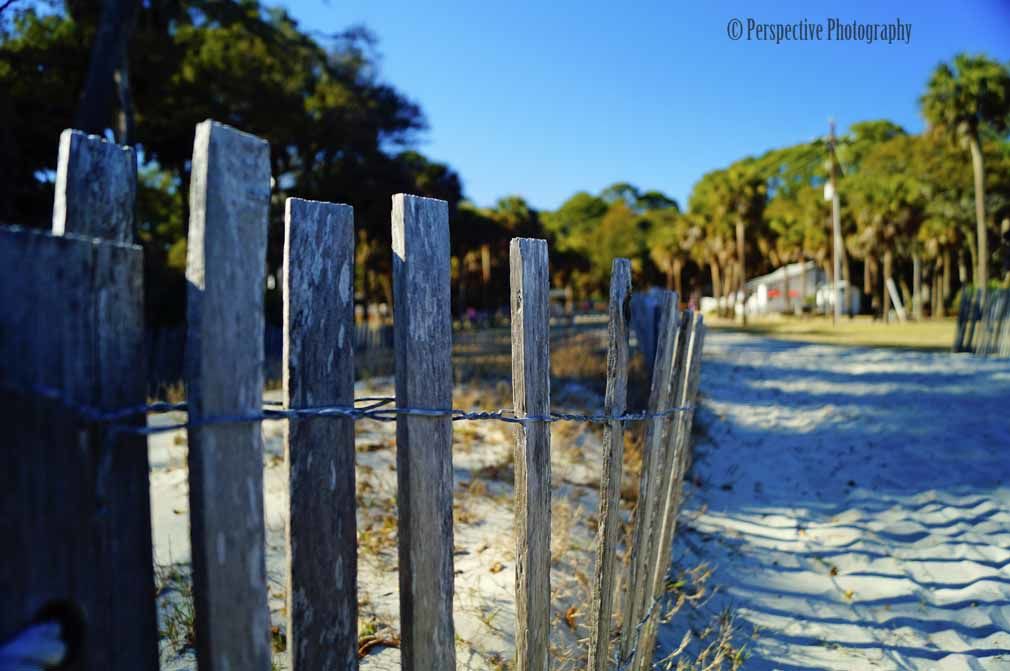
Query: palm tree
point(734, 197)
point(964, 100)
point(671, 240)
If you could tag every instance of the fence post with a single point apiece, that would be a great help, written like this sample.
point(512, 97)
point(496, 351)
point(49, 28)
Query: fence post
point(615, 404)
point(974, 306)
point(85, 308)
point(225, 270)
point(661, 394)
point(422, 333)
point(664, 439)
point(1004, 337)
point(318, 370)
point(680, 444)
point(1005, 333)
point(645, 315)
point(74, 505)
point(531, 392)
point(689, 397)
point(96, 187)
point(962, 319)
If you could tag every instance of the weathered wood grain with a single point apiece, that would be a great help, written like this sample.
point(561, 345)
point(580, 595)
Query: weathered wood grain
point(531, 392)
point(975, 302)
point(660, 397)
point(423, 344)
point(645, 314)
point(318, 370)
point(615, 403)
point(74, 502)
point(678, 443)
point(225, 270)
point(96, 187)
point(691, 398)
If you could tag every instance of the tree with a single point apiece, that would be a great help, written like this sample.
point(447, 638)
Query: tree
point(966, 100)
point(573, 223)
point(671, 240)
point(707, 203)
point(732, 199)
point(108, 67)
point(337, 131)
point(888, 198)
point(624, 233)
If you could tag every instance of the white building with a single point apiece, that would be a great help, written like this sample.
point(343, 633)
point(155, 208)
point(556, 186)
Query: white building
point(787, 289)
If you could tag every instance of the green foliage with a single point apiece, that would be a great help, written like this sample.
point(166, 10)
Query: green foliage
point(340, 133)
point(968, 95)
point(337, 132)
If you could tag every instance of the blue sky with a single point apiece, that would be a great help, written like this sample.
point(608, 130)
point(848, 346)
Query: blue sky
point(542, 101)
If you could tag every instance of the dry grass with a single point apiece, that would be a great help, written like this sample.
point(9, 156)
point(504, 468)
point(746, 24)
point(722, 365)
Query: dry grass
point(714, 643)
point(177, 612)
point(862, 331)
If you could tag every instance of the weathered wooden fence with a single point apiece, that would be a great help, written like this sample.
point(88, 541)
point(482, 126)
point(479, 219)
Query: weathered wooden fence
point(74, 503)
point(983, 322)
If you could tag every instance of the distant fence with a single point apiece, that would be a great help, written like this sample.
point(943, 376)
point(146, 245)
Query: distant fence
point(165, 347)
point(75, 506)
point(983, 322)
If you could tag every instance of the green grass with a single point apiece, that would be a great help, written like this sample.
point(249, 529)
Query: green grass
point(861, 331)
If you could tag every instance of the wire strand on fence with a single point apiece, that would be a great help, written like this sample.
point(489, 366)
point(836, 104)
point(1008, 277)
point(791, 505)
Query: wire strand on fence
point(376, 408)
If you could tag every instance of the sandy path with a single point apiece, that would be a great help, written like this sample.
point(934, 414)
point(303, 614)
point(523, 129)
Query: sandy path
point(854, 505)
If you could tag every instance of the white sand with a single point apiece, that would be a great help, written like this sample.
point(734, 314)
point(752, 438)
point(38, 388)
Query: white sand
point(854, 505)
point(852, 502)
point(484, 558)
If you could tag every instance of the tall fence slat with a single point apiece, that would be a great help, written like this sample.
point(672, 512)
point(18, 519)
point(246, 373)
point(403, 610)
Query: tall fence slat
point(615, 403)
point(689, 396)
point(664, 441)
point(225, 271)
point(1004, 349)
point(660, 397)
point(74, 500)
point(423, 342)
point(319, 371)
point(645, 314)
point(680, 442)
point(962, 321)
point(96, 187)
point(531, 380)
point(974, 312)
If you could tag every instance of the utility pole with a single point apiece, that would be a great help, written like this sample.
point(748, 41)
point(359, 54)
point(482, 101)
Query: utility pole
point(836, 226)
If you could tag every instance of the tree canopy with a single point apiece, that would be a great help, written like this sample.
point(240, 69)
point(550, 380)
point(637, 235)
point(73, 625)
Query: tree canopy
point(339, 132)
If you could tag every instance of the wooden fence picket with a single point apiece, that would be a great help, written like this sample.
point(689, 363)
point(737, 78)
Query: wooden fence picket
point(422, 333)
point(75, 506)
point(645, 323)
point(225, 270)
point(679, 441)
point(962, 322)
point(319, 371)
point(615, 403)
point(975, 301)
point(96, 188)
point(531, 393)
point(640, 563)
point(73, 322)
